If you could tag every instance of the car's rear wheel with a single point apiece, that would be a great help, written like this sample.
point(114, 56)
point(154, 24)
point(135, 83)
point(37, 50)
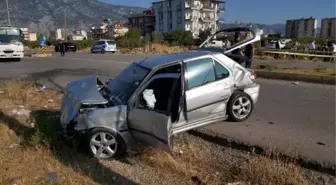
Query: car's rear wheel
point(105, 144)
point(240, 106)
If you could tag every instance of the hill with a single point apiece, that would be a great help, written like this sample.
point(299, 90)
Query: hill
point(42, 15)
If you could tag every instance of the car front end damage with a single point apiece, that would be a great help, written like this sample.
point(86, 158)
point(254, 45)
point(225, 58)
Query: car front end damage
point(86, 105)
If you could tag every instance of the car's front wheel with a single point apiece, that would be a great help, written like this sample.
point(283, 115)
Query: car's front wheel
point(240, 106)
point(105, 144)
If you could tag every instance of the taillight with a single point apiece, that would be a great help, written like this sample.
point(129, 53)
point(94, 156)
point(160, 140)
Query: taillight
point(254, 76)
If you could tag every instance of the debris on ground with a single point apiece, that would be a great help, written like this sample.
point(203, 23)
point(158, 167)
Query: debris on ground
point(21, 112)
point(295, 83)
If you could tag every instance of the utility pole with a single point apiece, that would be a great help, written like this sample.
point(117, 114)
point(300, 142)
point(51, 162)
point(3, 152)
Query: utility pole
point(9, 21)
point(65, 27)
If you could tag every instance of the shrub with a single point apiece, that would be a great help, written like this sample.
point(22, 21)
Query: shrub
point(180, 37)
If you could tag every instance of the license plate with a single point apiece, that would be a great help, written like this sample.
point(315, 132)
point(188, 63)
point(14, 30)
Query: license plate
point(9, 55)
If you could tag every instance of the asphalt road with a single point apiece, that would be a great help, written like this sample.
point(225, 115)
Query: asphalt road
point(292, 118)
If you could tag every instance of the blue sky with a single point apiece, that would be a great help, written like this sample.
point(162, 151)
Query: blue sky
point(262, 11)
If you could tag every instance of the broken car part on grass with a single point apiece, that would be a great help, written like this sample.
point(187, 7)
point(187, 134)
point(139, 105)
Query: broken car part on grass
point(153, 99)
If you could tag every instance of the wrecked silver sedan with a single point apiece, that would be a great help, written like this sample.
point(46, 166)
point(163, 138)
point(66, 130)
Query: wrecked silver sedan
point(153, 99)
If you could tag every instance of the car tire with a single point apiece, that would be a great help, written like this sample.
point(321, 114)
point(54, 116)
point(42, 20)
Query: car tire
point(239, 107)
point(103, 51)
point(95, 144)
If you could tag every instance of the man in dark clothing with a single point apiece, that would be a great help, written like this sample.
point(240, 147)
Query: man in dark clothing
point(249, 54)
point(62, 48)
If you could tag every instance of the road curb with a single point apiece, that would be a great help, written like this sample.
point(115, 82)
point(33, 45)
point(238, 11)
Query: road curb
point(38, 55)
point(331, 80)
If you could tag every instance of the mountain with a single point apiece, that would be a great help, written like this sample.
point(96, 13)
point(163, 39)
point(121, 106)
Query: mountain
point(268, 28)
point(44, 15)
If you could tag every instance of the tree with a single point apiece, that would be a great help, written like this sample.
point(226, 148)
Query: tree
point(180, 37)
point(157, 37)
point(131, 39)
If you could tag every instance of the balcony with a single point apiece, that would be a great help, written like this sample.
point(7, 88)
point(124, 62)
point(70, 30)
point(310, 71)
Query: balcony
point(187, 27)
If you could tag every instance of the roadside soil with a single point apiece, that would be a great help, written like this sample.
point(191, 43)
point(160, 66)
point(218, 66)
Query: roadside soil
point(31, 153)
point(315, 71)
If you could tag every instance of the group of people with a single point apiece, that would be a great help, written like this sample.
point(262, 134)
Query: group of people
point(248, 51)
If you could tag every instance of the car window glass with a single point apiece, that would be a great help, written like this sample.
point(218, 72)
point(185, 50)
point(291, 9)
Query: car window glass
point(221, 71)
point(156, 96)
point(111, 42)
point(200, 72)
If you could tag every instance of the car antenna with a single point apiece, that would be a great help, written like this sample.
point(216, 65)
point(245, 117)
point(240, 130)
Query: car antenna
point(143, 60)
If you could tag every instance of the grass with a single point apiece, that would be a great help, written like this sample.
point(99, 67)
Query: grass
point(29, 154)
point(314, 71)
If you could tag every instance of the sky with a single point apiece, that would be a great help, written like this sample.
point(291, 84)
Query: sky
point(262, 11)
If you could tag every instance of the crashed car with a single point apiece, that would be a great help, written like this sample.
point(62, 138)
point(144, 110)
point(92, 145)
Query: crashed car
point(155, 98)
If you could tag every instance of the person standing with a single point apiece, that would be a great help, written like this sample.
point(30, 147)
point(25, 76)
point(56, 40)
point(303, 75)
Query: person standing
point(249, 52)
point(62, 48)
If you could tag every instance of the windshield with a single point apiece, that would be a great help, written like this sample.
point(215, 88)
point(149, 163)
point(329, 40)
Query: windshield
point(124, 85)
point(110, 42)
point(8, 35)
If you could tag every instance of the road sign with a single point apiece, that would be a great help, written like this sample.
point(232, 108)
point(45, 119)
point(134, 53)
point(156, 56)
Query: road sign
point(43, 50)
point(43, 43)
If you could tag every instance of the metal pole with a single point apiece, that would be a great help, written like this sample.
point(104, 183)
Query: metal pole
point(9, 21)
point(65, 27)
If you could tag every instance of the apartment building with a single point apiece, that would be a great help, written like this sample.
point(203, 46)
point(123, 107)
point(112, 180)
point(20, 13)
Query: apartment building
point(328, 27)
point(188, 15)
point(144, 21)
point(304, 27)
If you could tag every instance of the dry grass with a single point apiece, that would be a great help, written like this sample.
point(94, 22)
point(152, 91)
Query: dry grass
point(195, 161)
point(314, 71)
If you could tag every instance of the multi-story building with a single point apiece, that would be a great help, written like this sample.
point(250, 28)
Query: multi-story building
point(188, 15)
point(328, 26)
point(144, 21)
point(304, 27)
point(28, 35)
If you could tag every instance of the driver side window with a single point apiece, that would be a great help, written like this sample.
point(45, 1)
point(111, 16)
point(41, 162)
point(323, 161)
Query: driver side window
point(156, 95)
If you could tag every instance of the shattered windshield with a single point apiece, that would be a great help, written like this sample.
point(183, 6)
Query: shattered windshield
point(124, 85)
point(9, 35)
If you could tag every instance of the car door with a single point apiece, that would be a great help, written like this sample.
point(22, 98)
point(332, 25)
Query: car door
point(95, 46)
point(209, 85)
point(150, 123)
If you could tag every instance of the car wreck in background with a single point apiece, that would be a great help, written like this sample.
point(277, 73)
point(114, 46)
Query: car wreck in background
point(155, 98)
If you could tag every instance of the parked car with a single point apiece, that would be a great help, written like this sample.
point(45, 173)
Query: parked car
point(200, 88)
point(68, 47)
point(103, 46)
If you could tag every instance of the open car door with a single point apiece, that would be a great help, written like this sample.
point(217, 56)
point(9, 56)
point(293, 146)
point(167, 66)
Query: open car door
point(216, 42)
point(149, 112)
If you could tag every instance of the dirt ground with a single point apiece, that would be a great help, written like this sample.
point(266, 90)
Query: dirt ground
point(31, 153)
point(314, 71)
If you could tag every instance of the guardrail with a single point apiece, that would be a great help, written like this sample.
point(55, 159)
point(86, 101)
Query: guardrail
point(327, 56)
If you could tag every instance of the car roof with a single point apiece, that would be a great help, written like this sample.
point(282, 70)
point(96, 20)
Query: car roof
point(155, 61)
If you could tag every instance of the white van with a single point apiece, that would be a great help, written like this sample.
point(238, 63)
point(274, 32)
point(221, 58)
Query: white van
point(103, 46)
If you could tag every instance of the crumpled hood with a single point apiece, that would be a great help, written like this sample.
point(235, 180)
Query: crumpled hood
point(86, 91)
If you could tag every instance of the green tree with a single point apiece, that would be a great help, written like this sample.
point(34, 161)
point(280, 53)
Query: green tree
point(157, 37)
point(180, 37)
